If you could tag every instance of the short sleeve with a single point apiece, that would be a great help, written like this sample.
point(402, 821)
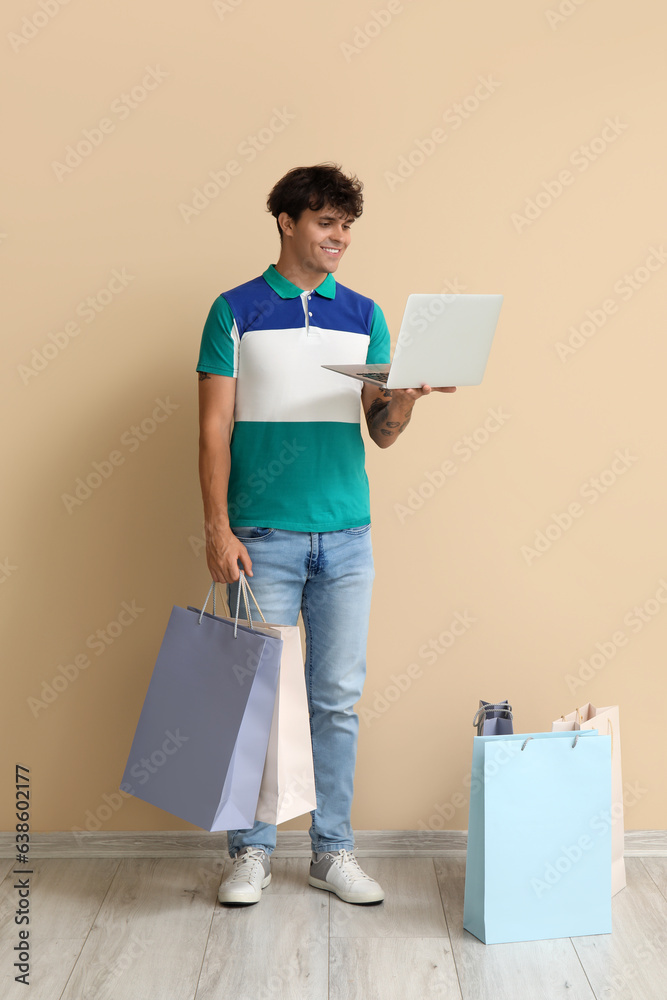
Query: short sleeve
point(219, 349)
point(379, 347)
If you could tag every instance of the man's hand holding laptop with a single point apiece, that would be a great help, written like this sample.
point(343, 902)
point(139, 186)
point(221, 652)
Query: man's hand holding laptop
point(443, 338)
point(424, 391)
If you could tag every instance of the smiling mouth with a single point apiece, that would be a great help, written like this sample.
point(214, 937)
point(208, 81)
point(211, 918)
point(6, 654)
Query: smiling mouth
point(332, 251)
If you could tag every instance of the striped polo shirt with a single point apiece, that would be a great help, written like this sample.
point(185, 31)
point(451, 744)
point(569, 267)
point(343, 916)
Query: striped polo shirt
point(297, 454)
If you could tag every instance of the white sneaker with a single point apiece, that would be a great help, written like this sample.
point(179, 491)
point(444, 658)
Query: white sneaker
point(251, 874)
point(339, 872)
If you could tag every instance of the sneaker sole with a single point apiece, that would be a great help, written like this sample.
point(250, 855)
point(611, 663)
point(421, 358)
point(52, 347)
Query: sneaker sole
point(345, 896)
point(237, 900)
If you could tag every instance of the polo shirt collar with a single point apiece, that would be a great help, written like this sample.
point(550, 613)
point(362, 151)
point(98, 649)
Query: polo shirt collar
point(286, 290)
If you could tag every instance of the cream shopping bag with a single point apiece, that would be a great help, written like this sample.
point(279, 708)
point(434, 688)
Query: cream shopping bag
point(606, 721)
point(288, 781)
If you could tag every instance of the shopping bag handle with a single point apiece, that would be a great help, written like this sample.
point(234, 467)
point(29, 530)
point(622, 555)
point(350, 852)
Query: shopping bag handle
point(243, 584)
point(245, 587)
point(502, 706)
point(572, 745)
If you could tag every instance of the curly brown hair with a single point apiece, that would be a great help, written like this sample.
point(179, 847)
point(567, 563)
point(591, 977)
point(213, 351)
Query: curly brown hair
point(313, 188)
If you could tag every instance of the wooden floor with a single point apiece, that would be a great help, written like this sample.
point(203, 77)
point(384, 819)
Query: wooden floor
point(152, 929)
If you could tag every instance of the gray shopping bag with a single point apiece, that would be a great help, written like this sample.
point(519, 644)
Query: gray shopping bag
point(494, 718)
point(200, 744)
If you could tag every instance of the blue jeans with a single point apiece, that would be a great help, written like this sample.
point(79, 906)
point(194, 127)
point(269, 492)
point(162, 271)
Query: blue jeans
point(328, 576)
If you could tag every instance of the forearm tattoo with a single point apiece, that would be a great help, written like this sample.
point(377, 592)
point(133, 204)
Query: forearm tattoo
point(376, 418)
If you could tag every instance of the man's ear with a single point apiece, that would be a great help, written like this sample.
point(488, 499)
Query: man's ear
point(286, 223)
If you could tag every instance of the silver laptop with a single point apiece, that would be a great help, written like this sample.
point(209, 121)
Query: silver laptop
point(444, 340)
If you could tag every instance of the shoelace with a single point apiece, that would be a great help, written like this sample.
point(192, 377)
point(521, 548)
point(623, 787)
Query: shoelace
point(240, 870)
point(350, 867)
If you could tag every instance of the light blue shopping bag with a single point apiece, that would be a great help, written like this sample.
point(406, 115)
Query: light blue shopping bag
point(538, 860)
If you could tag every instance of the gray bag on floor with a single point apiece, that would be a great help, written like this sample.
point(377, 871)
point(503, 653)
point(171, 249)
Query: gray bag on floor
point(494, 719)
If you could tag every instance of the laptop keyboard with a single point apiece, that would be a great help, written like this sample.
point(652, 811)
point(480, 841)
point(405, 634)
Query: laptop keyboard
point(376, 376)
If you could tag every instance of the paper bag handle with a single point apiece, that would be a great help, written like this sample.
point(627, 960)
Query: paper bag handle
point(610, 730)
point(503, 707)
point(243, 586)
point(572, 745)
point(243, 583)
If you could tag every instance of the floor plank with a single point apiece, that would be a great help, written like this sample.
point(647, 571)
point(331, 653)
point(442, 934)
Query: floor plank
point(149, 937)
point(631, 962)
point(411, 907)
point(6, 865)
point(276, 949)
point(657, 869)
point(376, 968)
point(527, 970)
point(65, 896)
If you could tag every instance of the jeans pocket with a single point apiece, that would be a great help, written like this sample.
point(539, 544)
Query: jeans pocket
point(252, 534)
point(357, 531)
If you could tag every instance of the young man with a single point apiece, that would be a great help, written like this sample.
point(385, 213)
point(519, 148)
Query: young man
point(288, 496)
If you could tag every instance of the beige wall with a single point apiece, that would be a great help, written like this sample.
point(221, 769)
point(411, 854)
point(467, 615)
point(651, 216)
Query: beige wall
point(218, 73)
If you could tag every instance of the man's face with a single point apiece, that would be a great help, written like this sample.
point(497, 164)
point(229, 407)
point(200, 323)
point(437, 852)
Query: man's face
point(319, 239)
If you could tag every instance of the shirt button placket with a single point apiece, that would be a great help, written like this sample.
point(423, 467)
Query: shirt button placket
point(307, 313)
